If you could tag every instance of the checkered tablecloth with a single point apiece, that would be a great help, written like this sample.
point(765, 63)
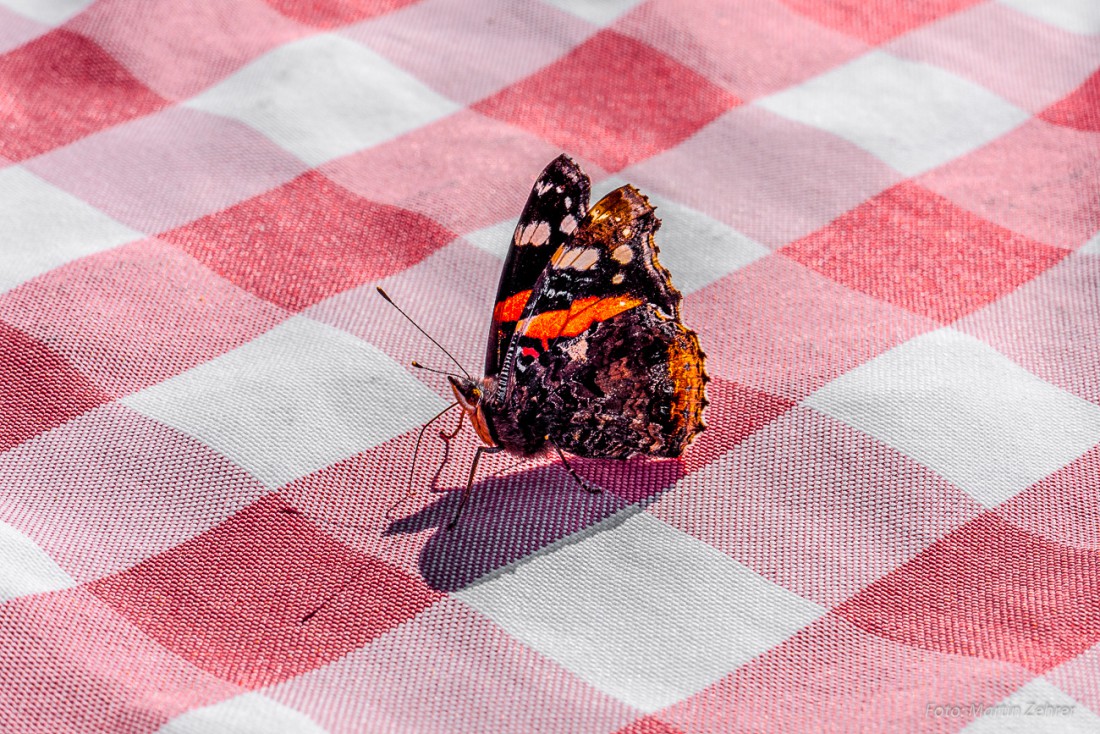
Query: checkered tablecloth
point(885, 219)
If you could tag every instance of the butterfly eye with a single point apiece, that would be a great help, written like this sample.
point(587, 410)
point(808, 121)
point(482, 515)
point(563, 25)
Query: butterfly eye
point(477, 393)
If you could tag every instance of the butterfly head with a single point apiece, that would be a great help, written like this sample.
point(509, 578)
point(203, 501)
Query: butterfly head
point(469, 395)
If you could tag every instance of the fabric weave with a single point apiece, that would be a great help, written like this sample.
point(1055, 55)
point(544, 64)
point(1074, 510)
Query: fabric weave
point(885, 219)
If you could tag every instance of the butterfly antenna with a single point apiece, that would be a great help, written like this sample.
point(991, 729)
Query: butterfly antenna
point(409, 492)
point(433, 341)
point(432, 369)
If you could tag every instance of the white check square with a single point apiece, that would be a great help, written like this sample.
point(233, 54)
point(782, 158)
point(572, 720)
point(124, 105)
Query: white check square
point(912, 115)
point(296, 399)
point(25, 568)
point(966, 411)
point(50, 12)
point(1076, 16)
point(1092, 247)
point(249, 713)
point(494, 239)
point(642, 611)
point(45, 227)
point(325, 97)
point(600, 12)
point(697, 249)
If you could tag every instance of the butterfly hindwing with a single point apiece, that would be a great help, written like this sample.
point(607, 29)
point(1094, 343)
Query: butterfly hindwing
point(557, 204)
point(639, 388)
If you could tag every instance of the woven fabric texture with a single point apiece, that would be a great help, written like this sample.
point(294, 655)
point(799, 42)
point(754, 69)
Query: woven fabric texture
point(885, 220)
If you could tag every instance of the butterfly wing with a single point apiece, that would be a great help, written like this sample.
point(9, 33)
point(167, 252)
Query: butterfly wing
point(557, 204)
point(611, 255)
point(639, 388)
point(600, 361)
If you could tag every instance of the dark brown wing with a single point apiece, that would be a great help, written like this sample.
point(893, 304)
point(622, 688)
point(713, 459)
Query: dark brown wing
point(612, 254)
point(556, 206)
point(600, 361)
point(632, 384)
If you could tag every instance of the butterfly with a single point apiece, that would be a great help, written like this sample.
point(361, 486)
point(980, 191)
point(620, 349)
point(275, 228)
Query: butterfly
point(587, 353)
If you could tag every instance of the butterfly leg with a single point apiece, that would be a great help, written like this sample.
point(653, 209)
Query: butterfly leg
point(447, 438)
point(452, 434)
point(583, 482)
point(470, 482)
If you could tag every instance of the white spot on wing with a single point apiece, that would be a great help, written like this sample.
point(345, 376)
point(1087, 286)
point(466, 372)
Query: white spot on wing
point(623, 254)
point(523, 236)
point(578, 258)
point(565, 260)
point(541, 234)
point(617, 278)
point(578, 350)
point(588, 257)
point(535, 233)
point(568, 224)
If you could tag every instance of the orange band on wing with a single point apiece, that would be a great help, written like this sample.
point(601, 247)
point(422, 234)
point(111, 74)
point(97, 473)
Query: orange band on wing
point(511, 308)
point(581, 314)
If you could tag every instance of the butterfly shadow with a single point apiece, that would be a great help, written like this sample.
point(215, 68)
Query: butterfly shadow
point(513, 517)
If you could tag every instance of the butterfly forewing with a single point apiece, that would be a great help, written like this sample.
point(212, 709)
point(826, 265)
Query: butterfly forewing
point(609, 266)
point(557, 205)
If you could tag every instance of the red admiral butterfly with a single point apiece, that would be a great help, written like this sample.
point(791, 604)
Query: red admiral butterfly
point(587, 352)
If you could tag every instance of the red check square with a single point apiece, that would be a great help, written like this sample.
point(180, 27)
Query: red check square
point(307, 240)
point(59, 88)
point(264, 597)
point(834, 672)
point(138, 314)
point(1079, 110)
point(1047, 186)
point(70, 663)
point(180, 49)
point(965, 595)
point(876, 21)
point(41, 390)
point(613, 100)
point(649, 725)
point(333, 13)
point(915, 249)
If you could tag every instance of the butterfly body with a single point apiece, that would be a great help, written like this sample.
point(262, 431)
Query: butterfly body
point(587, 352)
